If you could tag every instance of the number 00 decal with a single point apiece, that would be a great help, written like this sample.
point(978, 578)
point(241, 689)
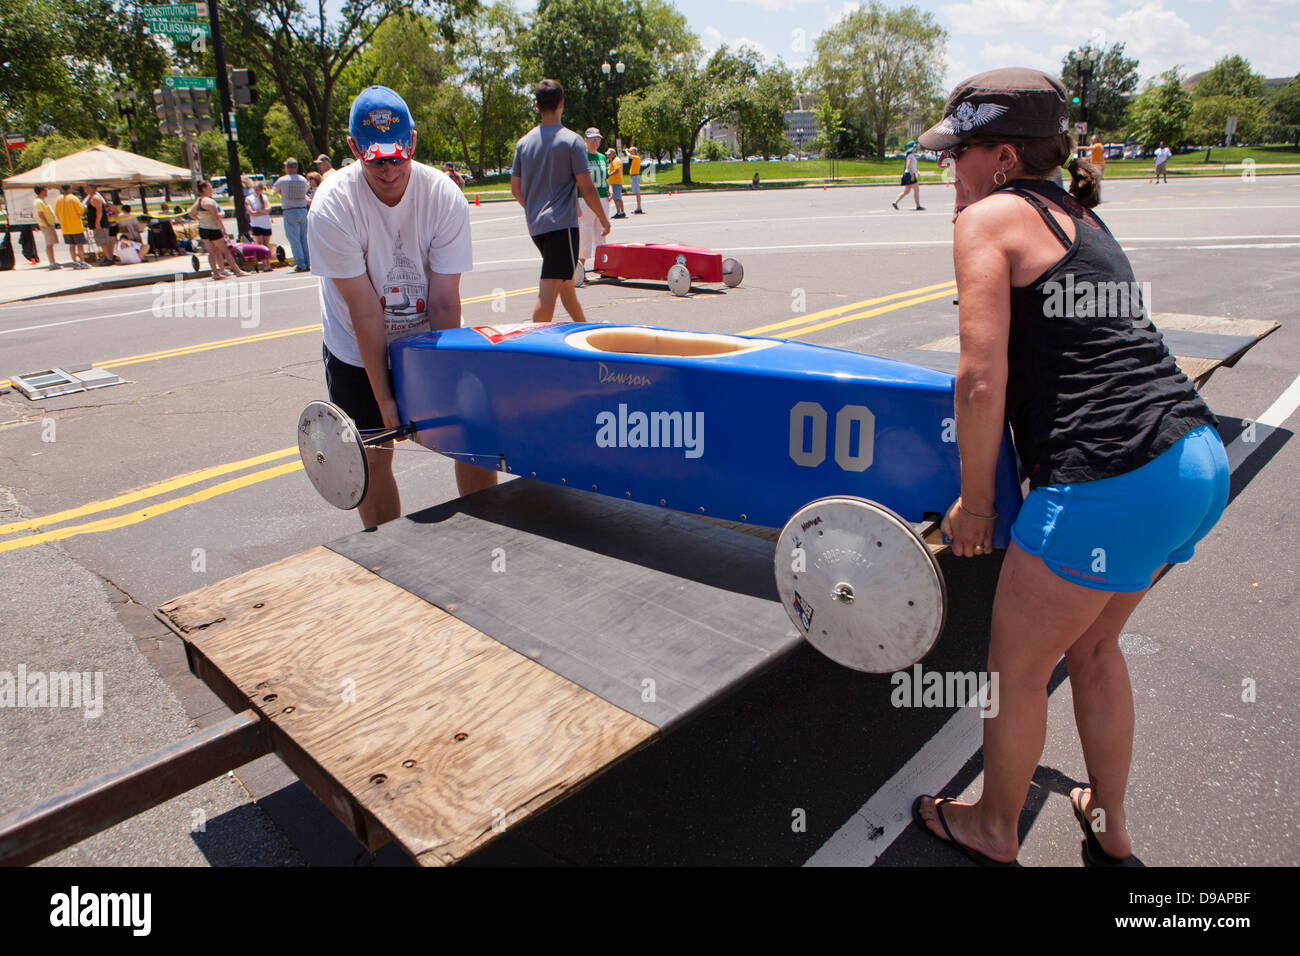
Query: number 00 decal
point(815, 441)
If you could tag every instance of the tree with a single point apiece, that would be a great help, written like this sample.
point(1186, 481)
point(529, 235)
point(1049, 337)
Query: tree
point(1162, 111)
point(1284, 110)
point(712, 150)
point(61, 61)
point(760, 117)
point(1210, 116)
point(880, 66)
point(830, 128)
point(672, 112)
point(1231, 76)
point(303, 57)
point(284, 139)
point(571, 39)
point(1112, 81)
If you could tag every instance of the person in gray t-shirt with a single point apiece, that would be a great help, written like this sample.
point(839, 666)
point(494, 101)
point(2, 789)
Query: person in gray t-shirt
point(550, 161)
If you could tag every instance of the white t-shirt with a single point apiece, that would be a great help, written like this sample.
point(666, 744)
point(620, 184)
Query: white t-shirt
point(1162, 155)
point(351, 233)
point(258, 215)
point(127, 252)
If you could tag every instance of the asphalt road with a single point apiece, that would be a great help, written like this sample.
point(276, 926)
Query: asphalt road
point(212, 399)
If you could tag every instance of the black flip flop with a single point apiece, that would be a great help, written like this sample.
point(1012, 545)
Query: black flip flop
point(1096, 854)
point(978, 858)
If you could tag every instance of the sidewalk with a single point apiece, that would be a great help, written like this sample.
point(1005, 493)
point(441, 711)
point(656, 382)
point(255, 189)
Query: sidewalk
point(27, 281)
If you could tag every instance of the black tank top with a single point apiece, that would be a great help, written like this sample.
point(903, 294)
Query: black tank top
point(96, 216)
point(1092, 391)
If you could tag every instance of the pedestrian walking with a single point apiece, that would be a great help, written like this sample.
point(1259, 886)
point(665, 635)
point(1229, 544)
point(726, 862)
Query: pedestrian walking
point(392, 238)
point(293, 211)
point(549, 172)
point(1126, 470)
point(911, 180)
point(47, 223)
point(70, 211)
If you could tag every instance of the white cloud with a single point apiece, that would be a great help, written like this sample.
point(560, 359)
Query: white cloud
point(712, 38)
point(777, 6)
point(1020, 54)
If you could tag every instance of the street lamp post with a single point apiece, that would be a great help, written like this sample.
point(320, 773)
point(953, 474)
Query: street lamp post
point(1086, 61)
point(614, 87)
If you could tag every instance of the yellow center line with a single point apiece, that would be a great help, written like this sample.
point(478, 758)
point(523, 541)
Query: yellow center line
point(917, 300)
point(147, 491)
point(840, 310)
point(153, 511)
point(257, 337)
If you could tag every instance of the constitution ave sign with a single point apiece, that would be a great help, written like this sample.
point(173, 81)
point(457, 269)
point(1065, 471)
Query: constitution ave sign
point(176, 11)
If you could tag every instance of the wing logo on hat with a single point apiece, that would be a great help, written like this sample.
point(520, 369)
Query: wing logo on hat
point(380, 119)
point(967, 117)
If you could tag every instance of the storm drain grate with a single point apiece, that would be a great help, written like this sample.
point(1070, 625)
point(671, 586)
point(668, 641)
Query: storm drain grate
point(63, 381)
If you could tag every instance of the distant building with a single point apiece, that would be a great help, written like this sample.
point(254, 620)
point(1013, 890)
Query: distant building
point(723, 133)
point(801, 127)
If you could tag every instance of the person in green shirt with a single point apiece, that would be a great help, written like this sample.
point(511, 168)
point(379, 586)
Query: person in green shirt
point(587, 223)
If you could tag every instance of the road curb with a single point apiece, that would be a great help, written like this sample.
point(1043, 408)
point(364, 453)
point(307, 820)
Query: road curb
point(121, 284)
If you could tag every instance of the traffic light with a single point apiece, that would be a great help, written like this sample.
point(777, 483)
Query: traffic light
point(185, 107)
point(165, 110)
point(1077, 98)
point(202, 102)
point(241, 87)
point(1090, 92)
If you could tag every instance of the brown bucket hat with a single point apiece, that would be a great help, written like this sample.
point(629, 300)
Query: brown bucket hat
point(1012, 102)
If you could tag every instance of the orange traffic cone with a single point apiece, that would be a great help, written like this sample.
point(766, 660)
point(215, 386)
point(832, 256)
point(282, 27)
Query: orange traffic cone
point(476, 200)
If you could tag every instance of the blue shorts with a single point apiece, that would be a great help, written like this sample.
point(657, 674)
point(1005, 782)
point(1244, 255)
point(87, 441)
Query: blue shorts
point(1114, 534)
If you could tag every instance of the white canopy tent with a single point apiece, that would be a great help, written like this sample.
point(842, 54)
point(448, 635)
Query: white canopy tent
point(101, 166)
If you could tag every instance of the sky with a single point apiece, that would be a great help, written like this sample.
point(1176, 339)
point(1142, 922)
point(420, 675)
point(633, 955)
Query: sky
point(987, 34)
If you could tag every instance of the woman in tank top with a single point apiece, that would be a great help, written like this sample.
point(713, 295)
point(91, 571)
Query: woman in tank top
point(213, 232)
point(1126, 470)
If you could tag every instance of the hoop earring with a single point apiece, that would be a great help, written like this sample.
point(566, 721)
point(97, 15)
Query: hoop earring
point(1001, 173)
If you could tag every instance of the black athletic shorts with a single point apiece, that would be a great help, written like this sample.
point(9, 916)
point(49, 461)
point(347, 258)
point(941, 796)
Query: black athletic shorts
point(259, 231)
point(212, 234)
point(559, 251)
point(349, 389)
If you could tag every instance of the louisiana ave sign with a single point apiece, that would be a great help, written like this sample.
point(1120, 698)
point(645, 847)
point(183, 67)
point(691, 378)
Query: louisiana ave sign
point(176, 11)
point(179, 28)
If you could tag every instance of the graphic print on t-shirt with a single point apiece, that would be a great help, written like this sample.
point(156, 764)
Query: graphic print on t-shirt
point(403, 295)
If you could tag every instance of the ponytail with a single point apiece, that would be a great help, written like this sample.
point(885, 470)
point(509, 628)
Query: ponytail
point(1085, 182)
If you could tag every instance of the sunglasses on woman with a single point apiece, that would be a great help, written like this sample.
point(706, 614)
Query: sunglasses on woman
point(954, 154)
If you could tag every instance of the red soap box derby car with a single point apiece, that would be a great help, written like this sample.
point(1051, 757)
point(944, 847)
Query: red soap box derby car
point(677, 265)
